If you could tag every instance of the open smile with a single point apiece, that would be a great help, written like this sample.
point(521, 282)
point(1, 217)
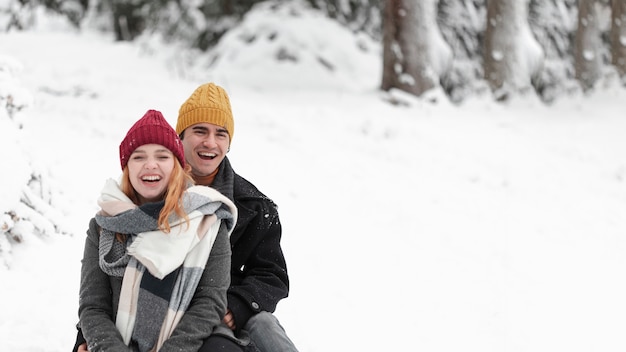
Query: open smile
point(207, 155)
point(151, 178)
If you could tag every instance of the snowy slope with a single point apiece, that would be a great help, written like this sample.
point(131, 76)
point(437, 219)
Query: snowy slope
point(420, 226)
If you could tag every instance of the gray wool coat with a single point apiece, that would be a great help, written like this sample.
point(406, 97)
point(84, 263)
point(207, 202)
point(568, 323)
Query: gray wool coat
point(100, 293)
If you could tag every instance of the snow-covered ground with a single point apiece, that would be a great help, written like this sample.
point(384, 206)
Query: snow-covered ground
point(416, 226)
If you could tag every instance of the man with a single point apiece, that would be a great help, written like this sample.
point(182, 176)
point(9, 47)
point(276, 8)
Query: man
point(259, 277)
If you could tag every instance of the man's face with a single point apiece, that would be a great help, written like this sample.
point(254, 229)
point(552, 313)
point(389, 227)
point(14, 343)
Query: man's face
point(205, 146)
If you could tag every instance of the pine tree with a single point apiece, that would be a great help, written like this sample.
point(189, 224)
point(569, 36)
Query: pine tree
point(462, 24)
point(358, 15)
point(553, 23)
point(26, 209)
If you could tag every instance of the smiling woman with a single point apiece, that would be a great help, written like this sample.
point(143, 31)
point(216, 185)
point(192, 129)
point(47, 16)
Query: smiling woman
point(132, 268)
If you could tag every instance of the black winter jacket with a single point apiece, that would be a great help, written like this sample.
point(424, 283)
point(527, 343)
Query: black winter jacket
point(259, 277)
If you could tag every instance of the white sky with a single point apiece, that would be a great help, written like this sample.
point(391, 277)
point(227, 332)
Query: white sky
point(421, 226)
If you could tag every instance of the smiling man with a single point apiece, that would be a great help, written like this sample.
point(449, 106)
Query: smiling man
point(259, 277)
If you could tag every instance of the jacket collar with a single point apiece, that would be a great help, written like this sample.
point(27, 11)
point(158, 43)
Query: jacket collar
point(235, 188)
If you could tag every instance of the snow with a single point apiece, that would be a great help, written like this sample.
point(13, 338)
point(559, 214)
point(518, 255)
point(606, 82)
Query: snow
point(589, 55)
point(407, 226)
point(264, 45)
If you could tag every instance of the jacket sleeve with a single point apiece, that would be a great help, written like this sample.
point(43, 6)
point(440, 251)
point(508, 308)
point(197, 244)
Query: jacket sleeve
point(262, 281)
point(95, 309)
point(208, 305)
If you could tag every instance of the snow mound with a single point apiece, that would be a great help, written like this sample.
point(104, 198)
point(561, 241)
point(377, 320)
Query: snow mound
point(287, 45)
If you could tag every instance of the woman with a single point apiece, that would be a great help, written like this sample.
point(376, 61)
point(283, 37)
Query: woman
point(157, 256)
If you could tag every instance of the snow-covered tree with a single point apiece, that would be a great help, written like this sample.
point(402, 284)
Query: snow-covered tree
point(462, 24)
point(553, 23)
point(358, 15)
point(415, 55)
point(512, 56)
point(618, 36)
point(25, 194)
point(22, 14)
point(197, 24)
point(587, 55)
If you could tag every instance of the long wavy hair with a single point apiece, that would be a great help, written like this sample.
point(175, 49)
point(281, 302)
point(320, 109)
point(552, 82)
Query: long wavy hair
point(180, 179)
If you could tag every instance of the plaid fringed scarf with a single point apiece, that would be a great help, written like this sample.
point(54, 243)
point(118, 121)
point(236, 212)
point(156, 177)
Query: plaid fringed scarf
point(153, 301)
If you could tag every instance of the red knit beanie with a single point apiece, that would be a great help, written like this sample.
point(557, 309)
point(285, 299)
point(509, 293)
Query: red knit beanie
point(151, 129)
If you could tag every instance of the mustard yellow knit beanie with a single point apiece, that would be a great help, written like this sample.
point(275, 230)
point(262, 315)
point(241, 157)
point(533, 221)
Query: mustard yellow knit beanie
point(208, 103)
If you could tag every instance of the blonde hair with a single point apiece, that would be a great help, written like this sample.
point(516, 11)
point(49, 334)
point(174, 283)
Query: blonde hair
point(180, 179)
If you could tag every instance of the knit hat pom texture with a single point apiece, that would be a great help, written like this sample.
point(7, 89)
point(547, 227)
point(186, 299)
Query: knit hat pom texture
point(152, 128)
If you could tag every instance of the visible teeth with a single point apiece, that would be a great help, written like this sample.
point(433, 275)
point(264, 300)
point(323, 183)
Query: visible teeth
point(151, 178)
point(208, 155)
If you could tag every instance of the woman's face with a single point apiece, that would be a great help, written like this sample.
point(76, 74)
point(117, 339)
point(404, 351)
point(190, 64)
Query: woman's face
point(149, 169)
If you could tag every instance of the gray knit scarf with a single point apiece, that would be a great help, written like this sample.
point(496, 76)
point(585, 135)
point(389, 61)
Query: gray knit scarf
point(154, 264)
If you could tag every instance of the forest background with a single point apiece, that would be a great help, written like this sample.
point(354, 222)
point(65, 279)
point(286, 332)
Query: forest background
point(549, 48)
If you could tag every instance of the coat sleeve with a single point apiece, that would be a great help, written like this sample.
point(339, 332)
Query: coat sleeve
point(95, 309)
point(208, 305)
point(262, 281)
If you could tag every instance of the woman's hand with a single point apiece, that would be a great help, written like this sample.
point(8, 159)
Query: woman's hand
point(229, 320)
point(83, 348)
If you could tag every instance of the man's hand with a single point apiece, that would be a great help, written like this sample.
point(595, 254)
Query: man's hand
point(229, 320)
point(83, 348)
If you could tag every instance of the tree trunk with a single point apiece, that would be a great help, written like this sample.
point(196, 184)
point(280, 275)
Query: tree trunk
point(512, 55)
point(618, 36)
point(412, 60)
point(127, 21)
point(227, 7)
point(587, 48)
